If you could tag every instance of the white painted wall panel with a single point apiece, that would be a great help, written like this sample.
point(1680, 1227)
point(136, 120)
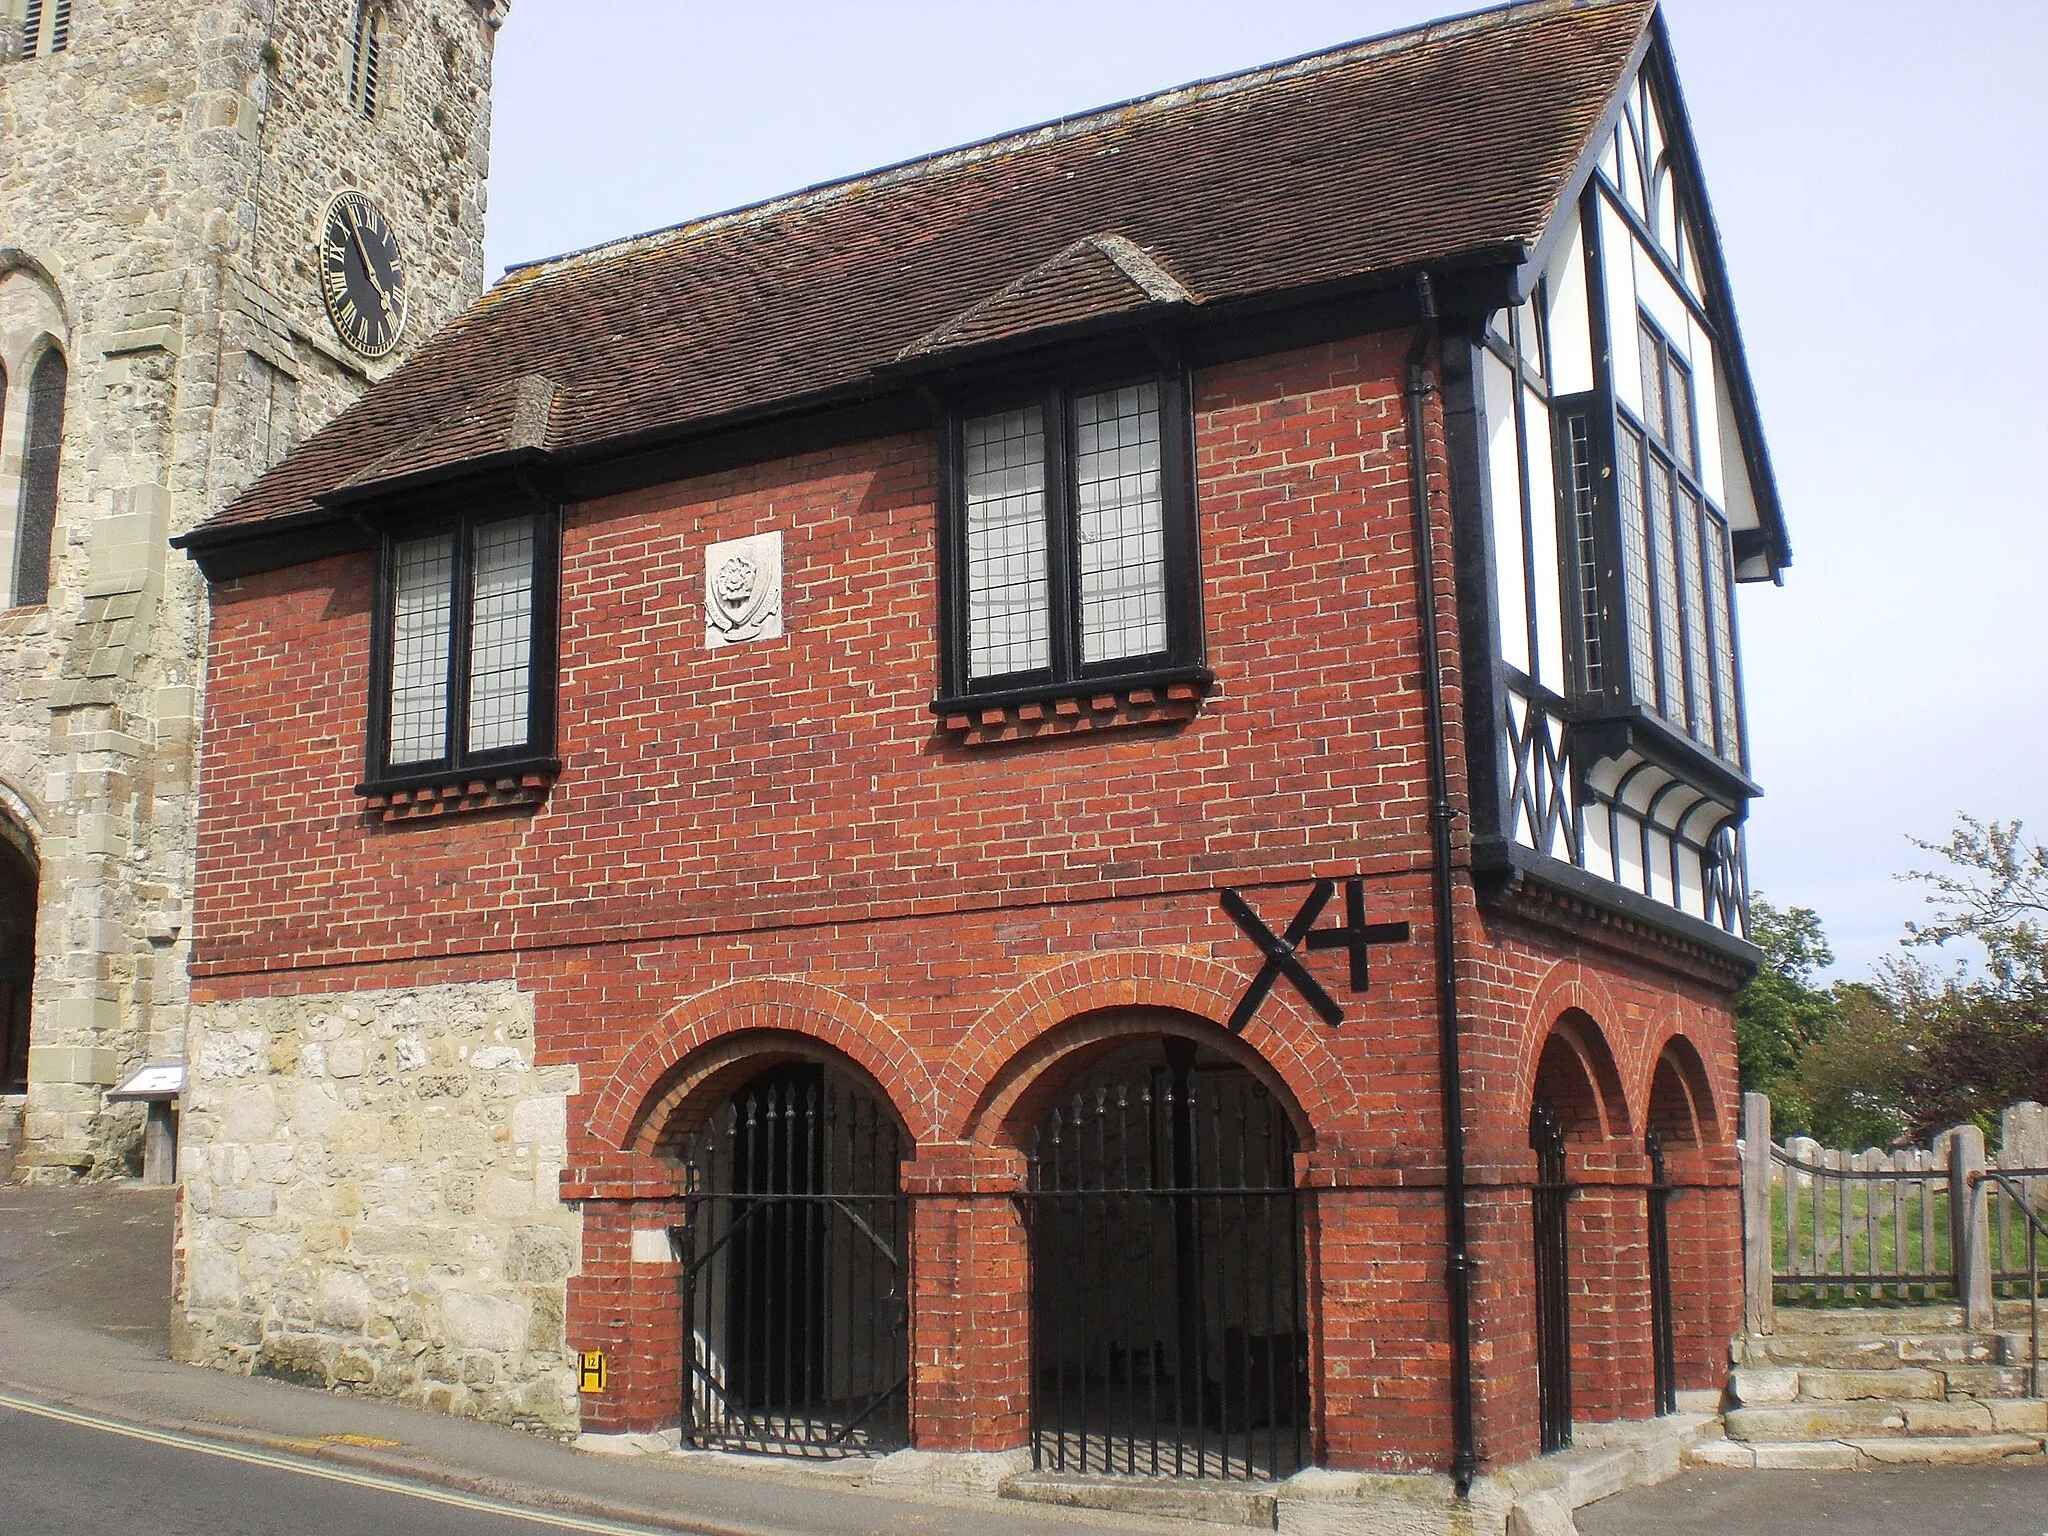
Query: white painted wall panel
point(1504, 487)
point(1738, 501)
point(1617, 261)
point(1655, 293)
point(1706, 384)
point(1571, 336)
point(1547, 557)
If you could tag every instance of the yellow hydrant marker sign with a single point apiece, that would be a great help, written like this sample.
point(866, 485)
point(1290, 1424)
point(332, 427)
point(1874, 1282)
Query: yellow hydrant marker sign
point(591, 1371)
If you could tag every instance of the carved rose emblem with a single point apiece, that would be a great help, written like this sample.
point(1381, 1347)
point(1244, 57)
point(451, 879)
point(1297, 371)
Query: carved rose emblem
point(737, 578)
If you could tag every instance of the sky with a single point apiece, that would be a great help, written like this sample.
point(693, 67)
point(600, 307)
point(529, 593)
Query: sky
point(1875, 170)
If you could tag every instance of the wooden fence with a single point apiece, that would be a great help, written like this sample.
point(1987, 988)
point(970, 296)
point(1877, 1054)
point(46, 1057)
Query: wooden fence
point(1825, 1224)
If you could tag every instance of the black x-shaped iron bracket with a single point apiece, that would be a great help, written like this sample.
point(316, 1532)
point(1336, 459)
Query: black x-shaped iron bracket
point(1283, 953)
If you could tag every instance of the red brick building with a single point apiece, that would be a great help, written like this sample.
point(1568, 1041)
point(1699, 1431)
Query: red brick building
point(1049, 800)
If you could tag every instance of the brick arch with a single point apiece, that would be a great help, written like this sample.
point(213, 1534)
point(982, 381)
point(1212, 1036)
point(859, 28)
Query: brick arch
point(1201, 991)
point(1677, 1090)
point(671, 1061)
point(1578, 999)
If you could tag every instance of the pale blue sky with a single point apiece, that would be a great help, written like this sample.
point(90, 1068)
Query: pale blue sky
point(1876, 171)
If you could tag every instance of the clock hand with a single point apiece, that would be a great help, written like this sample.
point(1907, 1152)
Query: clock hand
point(369, 268)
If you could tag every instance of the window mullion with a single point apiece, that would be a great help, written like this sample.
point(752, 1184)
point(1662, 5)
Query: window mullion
point(1062, 558)
point(460, 611)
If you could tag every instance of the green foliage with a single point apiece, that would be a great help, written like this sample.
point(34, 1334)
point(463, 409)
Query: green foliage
point(1782, 1011)
point(1915, 1050)
point(1851, 1078)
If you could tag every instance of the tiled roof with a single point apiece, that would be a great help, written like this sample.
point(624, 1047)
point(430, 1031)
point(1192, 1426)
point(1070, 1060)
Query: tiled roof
point(1418, 147)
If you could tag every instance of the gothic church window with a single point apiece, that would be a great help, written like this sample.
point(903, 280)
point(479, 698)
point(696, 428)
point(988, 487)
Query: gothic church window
point(363, 59)
point(42, 445)
point(31, 29)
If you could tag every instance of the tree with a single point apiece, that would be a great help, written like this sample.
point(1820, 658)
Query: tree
point(1987, 1040)
point(1782, 1011)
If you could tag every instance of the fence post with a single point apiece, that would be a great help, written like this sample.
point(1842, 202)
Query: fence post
point(1759, 1314)
point(1969, 1225)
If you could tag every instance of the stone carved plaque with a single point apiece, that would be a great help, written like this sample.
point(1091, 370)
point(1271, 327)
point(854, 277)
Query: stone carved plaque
point(743, 590)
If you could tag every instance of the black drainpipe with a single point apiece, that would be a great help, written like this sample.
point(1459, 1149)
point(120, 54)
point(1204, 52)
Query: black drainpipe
point(1458, 1266)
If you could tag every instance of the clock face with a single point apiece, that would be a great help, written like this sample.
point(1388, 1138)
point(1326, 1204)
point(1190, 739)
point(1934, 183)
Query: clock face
point(362, 276)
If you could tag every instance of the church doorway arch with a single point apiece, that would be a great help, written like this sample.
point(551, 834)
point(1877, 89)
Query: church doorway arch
point(19, 879)
point(1168, 1312)
point(795, 1275)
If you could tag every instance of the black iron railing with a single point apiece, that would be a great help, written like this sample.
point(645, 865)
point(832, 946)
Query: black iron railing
point(1663, 1325)
point(1550, 1201)
point(1169, 1333)
point(795, 1308)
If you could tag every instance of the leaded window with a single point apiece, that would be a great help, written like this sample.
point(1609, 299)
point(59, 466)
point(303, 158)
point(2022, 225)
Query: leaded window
point(465, 658)
point(1675, 560)
point(42, 450)
point(1070, 539)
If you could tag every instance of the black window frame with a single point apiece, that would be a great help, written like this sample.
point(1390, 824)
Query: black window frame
point(1674, 690)
point(1067, 675)
point(40, 482)
point(463, 519)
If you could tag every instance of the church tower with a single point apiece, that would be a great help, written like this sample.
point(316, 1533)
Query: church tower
point(220, 222)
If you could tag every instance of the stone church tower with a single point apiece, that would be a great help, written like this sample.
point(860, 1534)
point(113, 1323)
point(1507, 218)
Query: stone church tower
point(220, 221)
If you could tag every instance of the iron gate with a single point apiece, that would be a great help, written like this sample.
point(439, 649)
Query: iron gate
point(1167, 1313)
point(1663, 1335)
point(1550, 1198)
point(794, 1282)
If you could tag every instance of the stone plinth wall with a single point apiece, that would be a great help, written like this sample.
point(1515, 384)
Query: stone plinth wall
point(370, 1199)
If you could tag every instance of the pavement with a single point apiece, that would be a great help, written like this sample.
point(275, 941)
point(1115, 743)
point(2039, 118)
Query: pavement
point(85, 1333)
point(84, 1364)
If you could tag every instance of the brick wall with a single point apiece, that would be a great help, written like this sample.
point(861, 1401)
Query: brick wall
point(780, 837)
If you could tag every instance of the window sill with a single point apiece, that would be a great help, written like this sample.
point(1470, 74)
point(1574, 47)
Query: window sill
point(1071, 709)
point(499, 787)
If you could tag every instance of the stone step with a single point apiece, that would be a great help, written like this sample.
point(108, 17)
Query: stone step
point(1757, 1386)
point(1849, 1455)
point(1855, 1322)
point(1807, 1421)
point(1876, 1353)
point(1211, 1503)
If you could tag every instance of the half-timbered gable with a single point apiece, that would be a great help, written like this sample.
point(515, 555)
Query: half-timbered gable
point(1621, 489)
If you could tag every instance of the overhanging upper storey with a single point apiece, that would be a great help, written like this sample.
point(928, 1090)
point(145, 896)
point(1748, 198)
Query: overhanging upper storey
point(1615, 488)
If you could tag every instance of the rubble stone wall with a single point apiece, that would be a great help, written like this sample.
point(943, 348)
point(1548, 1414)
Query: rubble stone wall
point(371, 1199)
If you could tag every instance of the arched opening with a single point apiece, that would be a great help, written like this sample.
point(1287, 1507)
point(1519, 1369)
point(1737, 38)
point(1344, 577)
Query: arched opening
point(18, 884)
point(1680, 1114)
point(1576, 1098)
point(1168, 1314)
point(795, 1293)
point(42, 447)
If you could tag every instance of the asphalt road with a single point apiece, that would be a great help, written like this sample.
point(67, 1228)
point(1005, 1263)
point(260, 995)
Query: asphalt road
point(72, 1476)
point(1933, 1501)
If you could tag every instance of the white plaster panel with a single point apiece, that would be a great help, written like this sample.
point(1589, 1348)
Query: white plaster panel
point(1550, 564)
point(1504, 486)
point(1617, 249)
point(1571, 336)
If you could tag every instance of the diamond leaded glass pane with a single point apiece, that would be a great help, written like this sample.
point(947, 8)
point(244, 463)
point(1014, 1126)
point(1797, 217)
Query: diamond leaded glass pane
point(501, 635)
point(1722, 621)
point(1004, 482)
point(421, 610)
point(1122, 523)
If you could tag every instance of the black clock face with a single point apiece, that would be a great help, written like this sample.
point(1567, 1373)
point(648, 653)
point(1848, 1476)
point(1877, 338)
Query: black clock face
point(361, 274)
